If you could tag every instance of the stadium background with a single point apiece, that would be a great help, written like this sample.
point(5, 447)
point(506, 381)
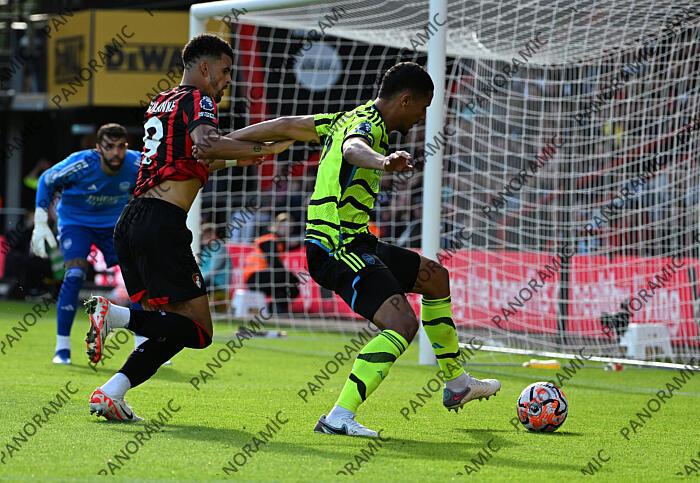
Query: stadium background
point(262, 376)
point(44, 120)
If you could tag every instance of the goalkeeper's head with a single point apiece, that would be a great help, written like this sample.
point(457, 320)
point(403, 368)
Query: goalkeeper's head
point(208, 62)
point(112, 146)
point(404, 95)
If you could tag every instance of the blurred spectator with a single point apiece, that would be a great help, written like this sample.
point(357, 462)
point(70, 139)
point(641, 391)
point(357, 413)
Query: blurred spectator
point(216, 267)
point(31, 180)
point(264, 270)
point(31, 273)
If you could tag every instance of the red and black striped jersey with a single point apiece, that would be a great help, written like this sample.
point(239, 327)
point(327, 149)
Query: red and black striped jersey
point(167, 146)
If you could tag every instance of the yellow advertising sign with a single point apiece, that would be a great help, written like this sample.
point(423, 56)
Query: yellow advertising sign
point(68, 51)
point(152, 49)
point(121, 57)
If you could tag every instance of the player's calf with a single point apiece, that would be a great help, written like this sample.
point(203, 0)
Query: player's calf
point(398, 321)
point(171, 326)
point(398, 315)
point(66, 307)
point(436, 313)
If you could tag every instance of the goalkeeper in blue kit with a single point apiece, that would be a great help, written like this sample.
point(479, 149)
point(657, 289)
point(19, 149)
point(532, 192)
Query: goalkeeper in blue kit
point(95, 186)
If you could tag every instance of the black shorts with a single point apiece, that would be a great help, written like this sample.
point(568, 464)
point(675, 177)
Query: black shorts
point(365, 273)
point(153, 246)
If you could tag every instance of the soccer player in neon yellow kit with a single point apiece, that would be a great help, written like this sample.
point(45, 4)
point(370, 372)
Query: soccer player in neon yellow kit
point(342, 255)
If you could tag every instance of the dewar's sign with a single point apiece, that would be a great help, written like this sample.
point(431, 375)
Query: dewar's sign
point(113, 57)
point(146, 58)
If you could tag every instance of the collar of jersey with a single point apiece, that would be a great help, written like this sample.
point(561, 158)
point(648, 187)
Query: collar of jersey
point(380, 112)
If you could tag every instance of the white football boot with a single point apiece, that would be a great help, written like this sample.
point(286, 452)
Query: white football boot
point(113, 409)
point(97, 308)
point(344, 426)
point(476, 389)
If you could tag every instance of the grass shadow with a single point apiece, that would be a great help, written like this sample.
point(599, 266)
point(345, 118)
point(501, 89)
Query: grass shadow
point(557, 434)
point(229, 436)
point(523, 463)
point(234, 439)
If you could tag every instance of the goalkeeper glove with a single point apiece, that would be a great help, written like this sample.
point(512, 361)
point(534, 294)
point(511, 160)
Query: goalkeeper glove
point(42, 234)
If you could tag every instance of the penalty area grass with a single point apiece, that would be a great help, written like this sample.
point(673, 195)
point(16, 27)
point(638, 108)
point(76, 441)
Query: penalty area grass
point(246, 420)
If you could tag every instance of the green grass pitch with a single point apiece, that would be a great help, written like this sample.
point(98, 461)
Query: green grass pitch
point(252, 399)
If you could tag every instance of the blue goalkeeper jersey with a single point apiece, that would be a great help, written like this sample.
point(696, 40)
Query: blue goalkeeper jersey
point(89, 196)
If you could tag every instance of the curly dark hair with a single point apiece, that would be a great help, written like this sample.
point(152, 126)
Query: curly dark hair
point(205, 45)
point(405, 75)
point(111, 130)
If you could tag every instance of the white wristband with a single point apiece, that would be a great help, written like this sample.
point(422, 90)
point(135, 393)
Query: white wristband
point(231, 163)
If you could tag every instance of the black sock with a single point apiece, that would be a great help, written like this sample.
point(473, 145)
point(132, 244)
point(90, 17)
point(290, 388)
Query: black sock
point(147, 359)
point(169, 326)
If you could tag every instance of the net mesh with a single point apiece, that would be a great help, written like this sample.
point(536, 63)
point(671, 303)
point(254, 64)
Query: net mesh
point(570, 178)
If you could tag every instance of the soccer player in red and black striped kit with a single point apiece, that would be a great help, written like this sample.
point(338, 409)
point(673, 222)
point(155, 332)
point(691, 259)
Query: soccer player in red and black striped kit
point(151, 237)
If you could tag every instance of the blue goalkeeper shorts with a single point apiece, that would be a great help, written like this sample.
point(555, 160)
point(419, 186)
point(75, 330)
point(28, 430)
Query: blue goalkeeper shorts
point(75, 242)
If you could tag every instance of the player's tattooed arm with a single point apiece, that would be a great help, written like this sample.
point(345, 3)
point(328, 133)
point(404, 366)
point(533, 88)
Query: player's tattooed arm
point(298, 128)
point(357, 152)
point(210, 145)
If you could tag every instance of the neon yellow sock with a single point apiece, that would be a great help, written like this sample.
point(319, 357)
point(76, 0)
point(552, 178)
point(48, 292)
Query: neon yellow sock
point(437, 322)
point(370, 368)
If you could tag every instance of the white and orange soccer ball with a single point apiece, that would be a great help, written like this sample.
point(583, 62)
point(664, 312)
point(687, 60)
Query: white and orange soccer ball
point(542, 407)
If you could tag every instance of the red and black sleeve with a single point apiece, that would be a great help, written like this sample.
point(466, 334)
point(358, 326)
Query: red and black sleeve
point(199, 109)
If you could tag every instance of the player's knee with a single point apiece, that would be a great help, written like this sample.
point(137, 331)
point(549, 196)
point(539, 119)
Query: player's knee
point(196, 310)
point(205, 338)
point(77, 263)
point(410, 330)
point(74, 278)
point(439, 284)
point(75, 273)
point(396, 301)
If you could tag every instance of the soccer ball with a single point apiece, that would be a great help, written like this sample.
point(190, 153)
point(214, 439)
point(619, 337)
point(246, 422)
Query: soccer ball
point(542, 407)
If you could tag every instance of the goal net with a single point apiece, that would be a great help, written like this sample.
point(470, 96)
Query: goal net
point(570, 183)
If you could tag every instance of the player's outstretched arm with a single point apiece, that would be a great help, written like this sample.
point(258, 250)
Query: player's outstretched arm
point(357, 152)
point(298, 128)
point(59, 176)
point(211, 145)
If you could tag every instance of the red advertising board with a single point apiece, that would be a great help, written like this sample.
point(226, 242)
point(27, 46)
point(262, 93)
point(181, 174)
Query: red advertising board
point(668, 299)
point(522, 291)
point(486, 285)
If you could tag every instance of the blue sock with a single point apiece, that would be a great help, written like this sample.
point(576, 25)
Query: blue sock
point(68, 299)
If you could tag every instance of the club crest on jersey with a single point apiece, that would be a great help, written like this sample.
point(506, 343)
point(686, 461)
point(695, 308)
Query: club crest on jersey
point(368, 258)
point(365, 127)
point(197, 280)
point(206, 103)
point(124, 186)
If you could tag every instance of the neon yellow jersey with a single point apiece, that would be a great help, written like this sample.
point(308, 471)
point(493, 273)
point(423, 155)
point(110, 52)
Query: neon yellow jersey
point(344, 195)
